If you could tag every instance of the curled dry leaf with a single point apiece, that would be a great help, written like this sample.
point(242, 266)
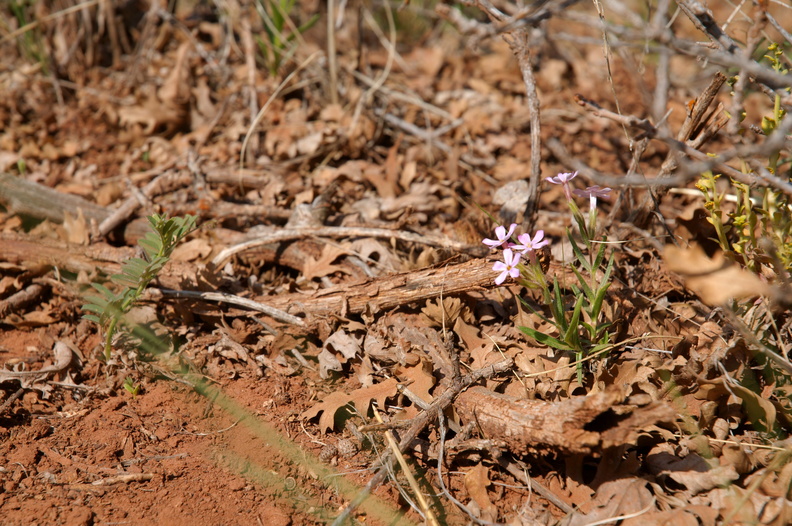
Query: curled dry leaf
point(338, 342)
point(323, 266)
point(715, 280)
point(443, 314)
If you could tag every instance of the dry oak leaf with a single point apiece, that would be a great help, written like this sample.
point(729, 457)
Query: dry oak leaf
point(759, 409)
point(338, 342)
point(614, 498)
point(319, 268)
point(476, 482)
point(419, 380)
point(715, 280)
point(443, 314)
point(360, 398)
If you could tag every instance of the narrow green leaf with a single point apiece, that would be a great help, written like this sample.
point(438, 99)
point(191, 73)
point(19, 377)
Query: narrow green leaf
point(104, 291)
point(578, 253)
point(596, 305)
point(557, 307)
point(571, 335)
point(542, 316)
point(583, 284)
point(91, 307)
point(546, 339)
point(600, 256)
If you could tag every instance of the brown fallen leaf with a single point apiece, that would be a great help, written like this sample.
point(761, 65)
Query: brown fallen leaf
point(318, 268)
point(338, 342)
point(715, 280)
point(613, 499)
point(360, 398)
point(476, 482)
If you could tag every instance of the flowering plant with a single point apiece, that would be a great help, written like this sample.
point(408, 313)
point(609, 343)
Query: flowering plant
point(581, 328)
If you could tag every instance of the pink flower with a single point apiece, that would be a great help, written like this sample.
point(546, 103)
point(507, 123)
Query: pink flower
point(593, 192)
point(502, 235)
point(507, 267)
point(563, 179)
point(528, 245)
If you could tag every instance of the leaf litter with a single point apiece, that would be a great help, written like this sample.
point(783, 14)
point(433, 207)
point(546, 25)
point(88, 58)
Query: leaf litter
point(681, 421)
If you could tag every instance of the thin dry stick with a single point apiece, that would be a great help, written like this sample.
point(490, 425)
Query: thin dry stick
point(687, 171)
point(250, 64)
point(427, 510)
point(10, 400)
point(441, 448)
point(332, 62)
point(162, 184)
point(518, 40)
point(606, 49)
point(239, 301)
point(288, 234)
point(418, 424)
point(663, 85)
point(535, 486)
point(524, 59)
point(761, 73)
point(702, 18)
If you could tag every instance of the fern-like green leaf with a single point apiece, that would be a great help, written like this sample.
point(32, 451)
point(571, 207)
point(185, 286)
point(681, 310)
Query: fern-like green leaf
point(109, 308)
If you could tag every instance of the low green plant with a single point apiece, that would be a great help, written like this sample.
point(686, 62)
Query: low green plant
point(30, 43)
point(109, 308)
point(582, 329)
point(760, 213)
point(280, 32)
point(131, 386)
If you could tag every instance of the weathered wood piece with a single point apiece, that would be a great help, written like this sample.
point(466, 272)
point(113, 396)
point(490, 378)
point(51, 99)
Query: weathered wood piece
point(29, 252)
point(584, 425)
point(376, 294)
point(387, 292)
point(36, 200)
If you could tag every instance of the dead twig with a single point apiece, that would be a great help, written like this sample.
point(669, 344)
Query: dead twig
point(164, 183)
point(418, 424)
point(63, 357)
point(20, 299)
point(702, 18)
point(231, 299)
point(124, 479)
point(518, 36)
point(394, 448)
point(391, 291)
point(522, 476)
point(11, 399)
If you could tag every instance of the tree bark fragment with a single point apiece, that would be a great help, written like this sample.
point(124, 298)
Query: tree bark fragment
point(582, 425)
